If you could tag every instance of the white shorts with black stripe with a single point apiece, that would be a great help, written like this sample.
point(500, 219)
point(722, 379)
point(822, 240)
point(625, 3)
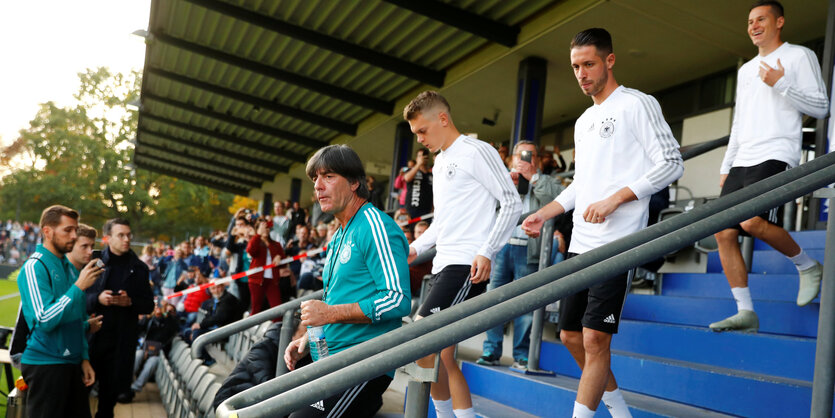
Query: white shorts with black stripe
point(449, 287)
point(363, 400)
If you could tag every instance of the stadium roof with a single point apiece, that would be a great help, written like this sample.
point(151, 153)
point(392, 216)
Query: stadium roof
point(237, 93)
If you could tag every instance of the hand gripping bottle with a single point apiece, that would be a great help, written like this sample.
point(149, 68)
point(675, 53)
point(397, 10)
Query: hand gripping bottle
point(316, 339)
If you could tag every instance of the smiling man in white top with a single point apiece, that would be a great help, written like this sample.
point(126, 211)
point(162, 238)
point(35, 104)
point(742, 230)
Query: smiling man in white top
point(469, 180)
point(773, 91)
point(625, 152)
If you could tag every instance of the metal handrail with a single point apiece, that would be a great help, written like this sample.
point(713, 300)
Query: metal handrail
point(389, 351)
point(248, 322)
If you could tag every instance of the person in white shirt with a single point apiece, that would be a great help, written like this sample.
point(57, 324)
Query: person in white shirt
point(281, 223)
point(625, 153)
point(773, 92)
point(467, 232)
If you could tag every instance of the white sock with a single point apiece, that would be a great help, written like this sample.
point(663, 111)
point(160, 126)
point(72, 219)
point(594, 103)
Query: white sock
point(802, 261)
point(464, 413)
point(582, 411)
point(616, 404)
point(742, 295)
point(443, 409)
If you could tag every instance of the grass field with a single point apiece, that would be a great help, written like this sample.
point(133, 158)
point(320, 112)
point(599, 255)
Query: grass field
point(8, 315)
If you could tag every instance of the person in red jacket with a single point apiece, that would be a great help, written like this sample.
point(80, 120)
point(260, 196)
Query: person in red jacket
point(263, 250)
point(193, 300)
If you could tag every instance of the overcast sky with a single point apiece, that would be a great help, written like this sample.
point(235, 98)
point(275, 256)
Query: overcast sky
point(44, 44)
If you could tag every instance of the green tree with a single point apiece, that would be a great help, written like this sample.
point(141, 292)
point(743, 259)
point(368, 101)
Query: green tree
point(78, 156)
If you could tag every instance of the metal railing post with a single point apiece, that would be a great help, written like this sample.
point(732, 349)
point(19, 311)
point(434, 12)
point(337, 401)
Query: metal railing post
point(824, 378)
point(747, 249)
point(288, 327)
point(417, 399)
point(539, 314)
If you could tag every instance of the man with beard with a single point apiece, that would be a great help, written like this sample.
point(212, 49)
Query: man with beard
point(625, 153)
point(55, 363)
point(122, 294)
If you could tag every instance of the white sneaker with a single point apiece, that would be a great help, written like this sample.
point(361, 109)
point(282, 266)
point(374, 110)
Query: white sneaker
point(744, 320)
point(810, 284)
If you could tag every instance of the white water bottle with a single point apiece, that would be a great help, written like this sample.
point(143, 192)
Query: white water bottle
point(316, 339)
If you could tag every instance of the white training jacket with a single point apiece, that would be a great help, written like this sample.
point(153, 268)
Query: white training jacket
point(469, 179)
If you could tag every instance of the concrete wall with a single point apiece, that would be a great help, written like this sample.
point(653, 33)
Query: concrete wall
point(701, 174)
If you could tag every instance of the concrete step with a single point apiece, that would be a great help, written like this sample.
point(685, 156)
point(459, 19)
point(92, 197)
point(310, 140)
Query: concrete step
point(711, 387)
point(784, 318)
point(767, 287)
point(790, 357)
point(554, 396)
point(765, 262)
point(809, 240)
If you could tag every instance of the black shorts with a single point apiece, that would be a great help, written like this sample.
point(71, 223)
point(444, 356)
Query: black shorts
point(450, 286)
point(598, 307)
point(363, 400)
point(740, 177)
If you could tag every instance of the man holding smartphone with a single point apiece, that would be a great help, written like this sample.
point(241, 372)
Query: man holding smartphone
point(55, 363)
point(520, 256)
point(121, 294)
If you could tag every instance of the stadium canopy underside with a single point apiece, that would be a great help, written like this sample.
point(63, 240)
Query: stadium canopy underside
point(237, 94)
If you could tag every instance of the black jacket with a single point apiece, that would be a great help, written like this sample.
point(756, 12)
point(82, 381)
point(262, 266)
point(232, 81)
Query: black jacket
point(160, 329)
point(257, 367)
point(118, 319)
point(225, 311)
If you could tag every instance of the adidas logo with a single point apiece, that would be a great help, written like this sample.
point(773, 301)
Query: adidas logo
point(319, 405)
point(67, 352)
point(610, 319)
point(435, 309)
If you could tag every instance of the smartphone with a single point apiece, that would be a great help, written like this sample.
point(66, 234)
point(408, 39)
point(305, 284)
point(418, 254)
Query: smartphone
point(97, 256)
point(525, 155)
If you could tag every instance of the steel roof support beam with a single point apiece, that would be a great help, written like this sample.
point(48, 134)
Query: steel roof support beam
point(219, 151)
point(152, 165)
point(205, 163)
point(230, 139)
point(463, 20)
point(339, 46)
point(311, 143)
point(206, 171)
point(258, 102)
point(312, 84)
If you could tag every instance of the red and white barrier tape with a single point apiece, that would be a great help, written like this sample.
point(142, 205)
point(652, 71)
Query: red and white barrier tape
point(250, 272)
point(416, 220)
point(286, 260)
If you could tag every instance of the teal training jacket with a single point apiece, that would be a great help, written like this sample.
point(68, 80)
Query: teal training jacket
point(55, 310)
point(366, 264)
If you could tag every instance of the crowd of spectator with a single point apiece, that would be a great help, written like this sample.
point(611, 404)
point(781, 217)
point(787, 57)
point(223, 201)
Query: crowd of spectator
point(17, 241)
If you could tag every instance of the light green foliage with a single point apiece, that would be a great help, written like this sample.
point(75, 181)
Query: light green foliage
point(81, 154)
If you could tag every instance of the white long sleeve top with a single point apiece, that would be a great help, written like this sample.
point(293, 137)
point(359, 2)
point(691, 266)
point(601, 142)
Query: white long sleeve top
point(469, 180)
point(767, 120)
point(622, 142)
